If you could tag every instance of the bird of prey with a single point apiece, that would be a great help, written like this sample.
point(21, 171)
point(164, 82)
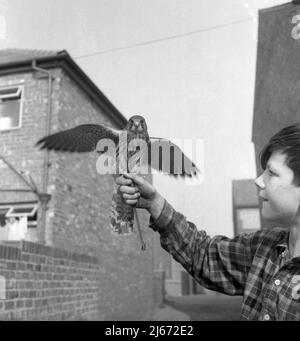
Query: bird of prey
point(163, 156)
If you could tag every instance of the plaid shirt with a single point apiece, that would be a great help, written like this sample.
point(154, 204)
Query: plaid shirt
point(255, 265)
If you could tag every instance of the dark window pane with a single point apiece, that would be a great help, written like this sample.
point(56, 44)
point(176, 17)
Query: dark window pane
point(2, 220)
point(3, 210)
point(9, 91)
point(32, 221)
point(20, 210)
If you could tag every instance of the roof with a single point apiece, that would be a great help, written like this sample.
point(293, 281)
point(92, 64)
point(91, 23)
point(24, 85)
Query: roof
point(244, 193)
point(8, 56)
point(20, 60)
point(288, 5)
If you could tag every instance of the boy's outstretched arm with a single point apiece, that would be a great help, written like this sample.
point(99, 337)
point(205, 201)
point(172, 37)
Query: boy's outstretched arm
point(218, 263)
point(138, 192)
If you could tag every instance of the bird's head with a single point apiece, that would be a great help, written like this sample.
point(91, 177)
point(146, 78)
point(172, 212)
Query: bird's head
point(137, 124)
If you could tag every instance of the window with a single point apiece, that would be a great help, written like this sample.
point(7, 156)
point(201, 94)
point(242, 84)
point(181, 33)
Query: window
point(28, 210)
point(10, 107)
point(248, 220)
point(3, 212)
point(24, 211)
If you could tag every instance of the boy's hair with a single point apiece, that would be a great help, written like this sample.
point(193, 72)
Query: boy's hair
point(287, 141)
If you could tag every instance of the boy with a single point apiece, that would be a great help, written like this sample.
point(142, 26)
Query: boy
point(263, 266)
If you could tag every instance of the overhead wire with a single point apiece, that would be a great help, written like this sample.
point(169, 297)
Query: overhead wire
point(154, 41)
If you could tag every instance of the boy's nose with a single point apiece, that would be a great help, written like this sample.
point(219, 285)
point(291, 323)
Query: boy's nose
point(259, 182)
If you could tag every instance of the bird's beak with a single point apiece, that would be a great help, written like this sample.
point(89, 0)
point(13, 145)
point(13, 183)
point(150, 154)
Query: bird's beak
point(135, 126)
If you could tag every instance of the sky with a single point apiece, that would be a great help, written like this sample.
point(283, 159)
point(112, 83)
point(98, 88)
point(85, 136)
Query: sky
point(187, 66)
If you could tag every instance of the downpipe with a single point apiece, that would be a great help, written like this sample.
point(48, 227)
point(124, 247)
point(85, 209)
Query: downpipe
point(44, 198)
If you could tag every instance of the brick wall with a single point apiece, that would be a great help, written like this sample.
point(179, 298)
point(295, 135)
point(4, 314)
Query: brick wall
point(81, 205)
point(18, 146)
point(78, 214)
point(45, 283)
point(277, 85)
point(81, 198)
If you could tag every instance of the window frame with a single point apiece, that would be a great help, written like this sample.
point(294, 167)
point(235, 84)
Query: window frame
point(5, 207)
point(238, 228)
point(10, 213)
point(19, 92)
point(10, 207)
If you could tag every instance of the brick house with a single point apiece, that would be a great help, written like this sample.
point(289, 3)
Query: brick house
point(42, 92)
point(277, 84)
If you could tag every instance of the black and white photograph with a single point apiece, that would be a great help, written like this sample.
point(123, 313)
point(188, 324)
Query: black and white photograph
point(149, 162)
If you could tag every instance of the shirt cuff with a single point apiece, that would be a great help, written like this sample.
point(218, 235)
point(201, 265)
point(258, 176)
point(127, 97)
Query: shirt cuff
point(164, 219)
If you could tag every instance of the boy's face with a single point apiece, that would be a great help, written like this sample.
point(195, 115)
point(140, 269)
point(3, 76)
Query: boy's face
point(280, 196)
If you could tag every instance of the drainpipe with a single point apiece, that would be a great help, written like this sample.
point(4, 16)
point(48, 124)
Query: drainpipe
point(43, 201)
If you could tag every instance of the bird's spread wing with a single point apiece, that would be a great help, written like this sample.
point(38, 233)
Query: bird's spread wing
point(168, 158)
point(83, 138)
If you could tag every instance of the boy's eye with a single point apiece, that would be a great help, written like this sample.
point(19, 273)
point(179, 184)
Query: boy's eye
point(271, 173)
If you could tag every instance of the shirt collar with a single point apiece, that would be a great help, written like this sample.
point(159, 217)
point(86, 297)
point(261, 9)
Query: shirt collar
point(282, 244)
point(282, 247)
